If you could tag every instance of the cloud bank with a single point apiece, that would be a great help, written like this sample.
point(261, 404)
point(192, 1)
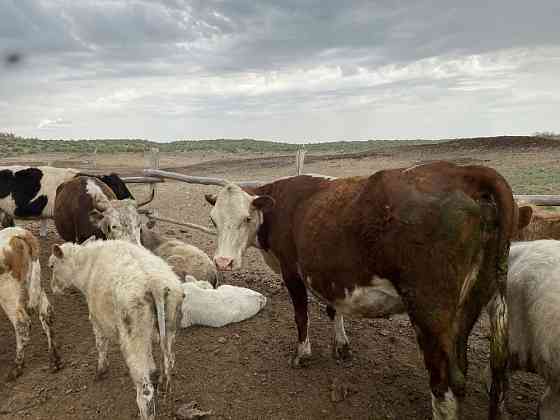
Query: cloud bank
point(295, 71)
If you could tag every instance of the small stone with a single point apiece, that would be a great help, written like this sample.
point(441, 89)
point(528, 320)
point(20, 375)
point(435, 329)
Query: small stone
point(191, 411)
point(222, 340)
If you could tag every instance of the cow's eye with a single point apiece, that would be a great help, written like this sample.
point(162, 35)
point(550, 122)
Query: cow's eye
point(248, 219)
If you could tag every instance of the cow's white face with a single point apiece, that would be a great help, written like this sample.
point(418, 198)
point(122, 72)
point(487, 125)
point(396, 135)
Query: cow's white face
point(62, 268)
point(236, 216)
point(119, 220)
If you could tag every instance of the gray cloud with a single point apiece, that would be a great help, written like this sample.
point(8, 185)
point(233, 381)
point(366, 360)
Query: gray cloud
point(334, 69)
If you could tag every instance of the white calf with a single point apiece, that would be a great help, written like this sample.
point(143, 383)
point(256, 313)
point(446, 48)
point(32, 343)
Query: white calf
point(128, 290)
point(185, 259)
point(20, 291)
point(204, 305)
point(532, 342)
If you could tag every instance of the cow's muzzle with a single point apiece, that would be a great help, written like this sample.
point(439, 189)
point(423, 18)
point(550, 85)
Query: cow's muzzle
point(224, 263)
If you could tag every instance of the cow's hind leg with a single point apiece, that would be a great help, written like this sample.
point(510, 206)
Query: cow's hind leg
point(102, 344)
point(46, 316)
point(341, 345)
point(298, 294)
point(135, 334)
point(12, 299)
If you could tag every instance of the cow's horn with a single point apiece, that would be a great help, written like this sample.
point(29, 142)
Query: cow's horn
point(149, 200)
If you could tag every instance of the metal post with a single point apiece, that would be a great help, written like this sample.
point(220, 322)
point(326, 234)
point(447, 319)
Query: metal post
point(300, 157)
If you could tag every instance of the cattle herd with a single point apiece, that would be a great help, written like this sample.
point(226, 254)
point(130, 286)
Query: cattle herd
point(431, 240)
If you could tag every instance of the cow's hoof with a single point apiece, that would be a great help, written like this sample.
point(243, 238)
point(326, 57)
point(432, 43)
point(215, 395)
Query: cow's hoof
point(14, 373)
point(342, 353)
point(55, 362)
point(101, 374)
point(300, 361)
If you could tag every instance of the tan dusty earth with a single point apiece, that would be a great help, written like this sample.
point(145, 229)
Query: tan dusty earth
point(242, 371)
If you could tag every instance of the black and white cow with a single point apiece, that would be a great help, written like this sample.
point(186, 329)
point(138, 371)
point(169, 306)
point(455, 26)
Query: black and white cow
point(29, 192)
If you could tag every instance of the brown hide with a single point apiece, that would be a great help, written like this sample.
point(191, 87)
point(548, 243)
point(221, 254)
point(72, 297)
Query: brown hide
point(543, 225)
point(23, 250)
point(422, 228)
point(72, 207)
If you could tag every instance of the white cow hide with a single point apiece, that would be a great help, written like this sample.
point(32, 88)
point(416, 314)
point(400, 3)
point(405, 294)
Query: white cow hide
point(210, 307)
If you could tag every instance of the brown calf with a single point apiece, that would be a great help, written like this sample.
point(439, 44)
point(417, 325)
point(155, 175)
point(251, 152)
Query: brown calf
point(431, 240)
point(85, 206)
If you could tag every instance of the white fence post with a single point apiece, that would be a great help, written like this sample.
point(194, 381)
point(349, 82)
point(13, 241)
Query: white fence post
point(300, 157)
point(95, 158)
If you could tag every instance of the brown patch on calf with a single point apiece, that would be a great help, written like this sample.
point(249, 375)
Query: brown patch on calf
point(23, 250)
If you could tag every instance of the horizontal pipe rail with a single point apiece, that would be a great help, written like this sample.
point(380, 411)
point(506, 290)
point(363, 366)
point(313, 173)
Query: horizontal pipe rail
point(185, 224)
point(539, 200)
point(142, 180)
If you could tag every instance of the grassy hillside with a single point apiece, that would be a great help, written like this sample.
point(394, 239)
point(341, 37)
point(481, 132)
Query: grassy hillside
point(11, 145)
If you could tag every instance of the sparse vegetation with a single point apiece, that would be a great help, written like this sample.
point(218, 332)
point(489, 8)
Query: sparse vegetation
point(12, 145)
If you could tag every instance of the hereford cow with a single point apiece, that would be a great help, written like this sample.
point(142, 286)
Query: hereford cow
point(532, 342)
point(183, 258)
point(125, 301)
point(431, 240)
point(86, 206)
point(21, 291)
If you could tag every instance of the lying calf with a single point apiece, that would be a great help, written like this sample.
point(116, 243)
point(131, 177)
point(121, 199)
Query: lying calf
point(20, 291)
point(533, 327)
point(218, 307)
point(185, 259)
point(124, 302)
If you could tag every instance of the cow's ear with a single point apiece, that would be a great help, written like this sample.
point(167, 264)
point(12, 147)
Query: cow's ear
point(211, 198)
point(95, 217)
point(525, 215)
point(263, 202)
point(57, 251)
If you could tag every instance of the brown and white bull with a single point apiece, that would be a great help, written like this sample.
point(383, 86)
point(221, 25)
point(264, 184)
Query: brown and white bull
point(85, 206)
point(430, 240)
point(21, 291)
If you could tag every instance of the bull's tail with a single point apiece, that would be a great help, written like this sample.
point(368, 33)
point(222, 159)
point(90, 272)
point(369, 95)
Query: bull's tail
point(159, 296)
point(507, 215)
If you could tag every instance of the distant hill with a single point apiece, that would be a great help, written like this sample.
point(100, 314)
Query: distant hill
point(11, 145)
point(500, 143)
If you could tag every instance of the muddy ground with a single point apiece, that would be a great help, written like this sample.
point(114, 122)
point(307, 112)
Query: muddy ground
point(242, 371)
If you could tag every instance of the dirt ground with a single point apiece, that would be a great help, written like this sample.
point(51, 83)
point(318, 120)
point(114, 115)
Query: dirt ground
point(242, 371)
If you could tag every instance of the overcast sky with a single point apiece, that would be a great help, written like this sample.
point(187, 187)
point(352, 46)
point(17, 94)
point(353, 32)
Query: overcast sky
point(286, 70)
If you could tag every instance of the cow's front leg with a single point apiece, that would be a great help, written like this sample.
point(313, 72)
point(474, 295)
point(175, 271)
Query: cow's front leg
point(298, 294)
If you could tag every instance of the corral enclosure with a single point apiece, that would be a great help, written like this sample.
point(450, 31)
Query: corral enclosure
point(242, 370)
